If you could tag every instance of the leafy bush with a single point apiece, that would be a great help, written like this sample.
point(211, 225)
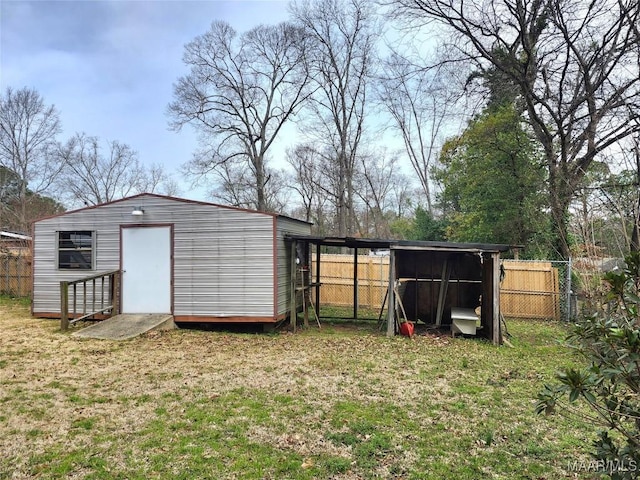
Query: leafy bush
point(608, 343)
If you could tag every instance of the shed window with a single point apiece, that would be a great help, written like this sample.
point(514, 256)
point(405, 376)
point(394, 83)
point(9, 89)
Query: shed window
point(75, 250)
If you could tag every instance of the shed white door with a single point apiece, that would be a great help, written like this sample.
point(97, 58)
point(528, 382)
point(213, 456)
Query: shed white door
point(146, 270)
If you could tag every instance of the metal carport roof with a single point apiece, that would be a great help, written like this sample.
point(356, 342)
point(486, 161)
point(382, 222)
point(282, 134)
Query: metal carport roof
point(377, 243)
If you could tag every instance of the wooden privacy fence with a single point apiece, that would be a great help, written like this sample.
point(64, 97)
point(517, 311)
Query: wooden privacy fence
point(336, 276)
point(529, 289)
point(15, 275)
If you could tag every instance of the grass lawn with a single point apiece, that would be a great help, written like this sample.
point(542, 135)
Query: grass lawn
point(342, 402)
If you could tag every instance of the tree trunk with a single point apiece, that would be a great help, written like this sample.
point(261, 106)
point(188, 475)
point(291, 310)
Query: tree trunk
point(258, 164)
point(635, 235)
point(560, 195)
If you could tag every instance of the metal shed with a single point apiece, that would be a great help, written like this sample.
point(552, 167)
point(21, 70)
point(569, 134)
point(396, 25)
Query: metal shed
point(198, 261)
point(433, 281)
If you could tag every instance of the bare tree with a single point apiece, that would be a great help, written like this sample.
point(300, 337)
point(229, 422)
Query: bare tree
point(156, 180)
point(610, 202)
point(92, 174)
point(311, 180)
point(317, 180)
point(234, 185)
point(307, 178)
point(344, 34)
point(421, 102)
point(28, 129)
point(239, 93)
point(575, 65)
point(378, 180)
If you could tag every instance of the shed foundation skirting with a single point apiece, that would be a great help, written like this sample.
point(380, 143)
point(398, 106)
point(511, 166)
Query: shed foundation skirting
point(238, 319)
point(183, 318)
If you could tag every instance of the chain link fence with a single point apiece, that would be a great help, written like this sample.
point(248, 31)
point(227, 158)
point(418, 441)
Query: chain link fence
point(537, 289)
point(529, 289)
point(590, 288)
point(15, 275)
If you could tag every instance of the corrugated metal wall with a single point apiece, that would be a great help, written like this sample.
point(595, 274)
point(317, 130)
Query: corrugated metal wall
point(223, 257)
point(46, 276)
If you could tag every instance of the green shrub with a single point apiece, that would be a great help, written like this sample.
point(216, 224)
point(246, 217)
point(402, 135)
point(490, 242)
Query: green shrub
point(608, 342)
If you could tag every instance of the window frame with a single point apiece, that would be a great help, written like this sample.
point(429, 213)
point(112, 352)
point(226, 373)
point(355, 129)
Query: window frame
point(82, 248)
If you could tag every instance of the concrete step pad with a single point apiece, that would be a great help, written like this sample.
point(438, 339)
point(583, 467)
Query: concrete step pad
point(126, 326)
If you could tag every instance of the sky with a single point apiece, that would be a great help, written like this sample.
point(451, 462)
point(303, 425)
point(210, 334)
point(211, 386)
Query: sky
point(109, 66)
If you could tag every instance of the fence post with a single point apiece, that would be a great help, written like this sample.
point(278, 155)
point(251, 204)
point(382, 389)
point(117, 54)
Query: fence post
point(568, 288)
point(64, 305)
point(19, 270)
point(6, 272)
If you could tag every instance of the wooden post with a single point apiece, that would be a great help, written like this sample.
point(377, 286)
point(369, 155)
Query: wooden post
point(442, 294)
point(391, 308)
point(102, 291)
point(115, 294)
point(369, 279)
point(93, 296)
point(293, 314)
point(84, 298)
point(318, 279)
point(306, 301)
point(305, 281)
point(355, 283)
point(495, 282)
point(64, 306)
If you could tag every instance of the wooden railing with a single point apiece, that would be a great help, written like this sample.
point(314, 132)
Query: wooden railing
point(101, 297)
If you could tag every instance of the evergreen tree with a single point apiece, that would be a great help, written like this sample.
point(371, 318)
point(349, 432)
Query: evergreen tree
point(492, 180)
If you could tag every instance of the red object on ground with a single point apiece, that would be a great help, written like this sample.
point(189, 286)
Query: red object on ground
point(406, 329)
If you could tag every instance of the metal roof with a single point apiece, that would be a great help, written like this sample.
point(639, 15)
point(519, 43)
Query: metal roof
point(375, 243)
point(176, 199)
point(17, 236)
